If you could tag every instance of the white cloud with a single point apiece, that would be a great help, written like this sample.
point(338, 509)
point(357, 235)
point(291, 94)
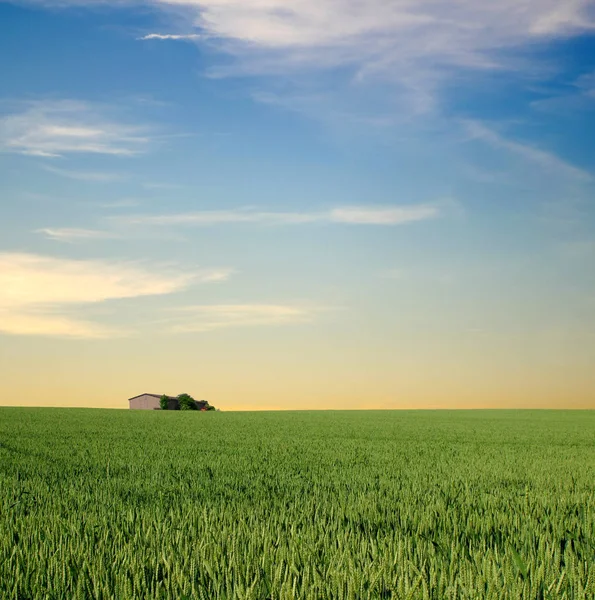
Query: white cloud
point(414, 44)
point(546, 160)
point(463, 32)
point(45, 324)
point(58, 128)
point(195, 319)
point(350, 215)
point(35, 279)
point(38, 292)
point(217, 217)
point(563, 16)
point(391, 215)
point(66, 234)
point(91, 176)
point(169, 36)
point(122, 203)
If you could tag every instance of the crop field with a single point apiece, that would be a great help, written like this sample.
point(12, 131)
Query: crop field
point(380, 504)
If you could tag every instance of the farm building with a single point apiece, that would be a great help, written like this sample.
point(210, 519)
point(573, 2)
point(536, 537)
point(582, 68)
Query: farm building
point(152, 402)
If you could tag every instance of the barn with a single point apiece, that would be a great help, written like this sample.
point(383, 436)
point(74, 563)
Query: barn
point(151, 402)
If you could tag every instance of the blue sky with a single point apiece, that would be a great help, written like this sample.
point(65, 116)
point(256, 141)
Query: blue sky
point(393, 194)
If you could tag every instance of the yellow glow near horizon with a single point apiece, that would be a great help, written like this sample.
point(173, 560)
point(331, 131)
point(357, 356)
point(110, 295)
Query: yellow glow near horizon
point(296, 372)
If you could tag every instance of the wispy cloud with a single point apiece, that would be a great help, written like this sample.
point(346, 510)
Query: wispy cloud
point(586, 83)
point(170, 36)
point(65, 234)
point(122, 203)
point(389, 215)
point(577, 97)
point(412, 276)
point(350, 215)
point(38, 294)
point(58, 128)
point(43, 323)
point(547, 160)
point(91, 176)
point(413, 46)
point(383, 34)
point(416, 46)
point(218, 217)
point(195, 319)
point(358, 107)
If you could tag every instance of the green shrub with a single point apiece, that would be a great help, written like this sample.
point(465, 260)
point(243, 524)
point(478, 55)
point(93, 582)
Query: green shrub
point(163, 402)
point(186, 402)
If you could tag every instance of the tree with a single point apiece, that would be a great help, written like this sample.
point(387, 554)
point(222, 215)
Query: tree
point(186, 402)
point(163, 402)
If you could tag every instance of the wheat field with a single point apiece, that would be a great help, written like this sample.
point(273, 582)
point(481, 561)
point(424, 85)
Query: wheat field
point(313, 505)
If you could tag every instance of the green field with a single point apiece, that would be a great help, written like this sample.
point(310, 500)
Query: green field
point(143, 504)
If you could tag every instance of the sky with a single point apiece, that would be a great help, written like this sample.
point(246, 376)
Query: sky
point(322, 204)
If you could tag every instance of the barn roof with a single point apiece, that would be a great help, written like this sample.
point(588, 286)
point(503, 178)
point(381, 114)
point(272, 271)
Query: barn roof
point(153, 395)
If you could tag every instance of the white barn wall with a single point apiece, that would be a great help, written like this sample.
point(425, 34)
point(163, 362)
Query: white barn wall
point(144, 402)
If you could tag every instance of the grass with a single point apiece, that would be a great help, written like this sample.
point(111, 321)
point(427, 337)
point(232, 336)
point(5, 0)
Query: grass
point(143, 505)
